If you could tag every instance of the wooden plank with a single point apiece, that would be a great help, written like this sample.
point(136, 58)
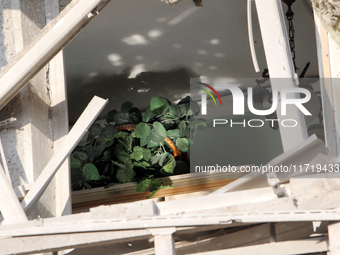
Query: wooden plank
point(51, 243)
point(60, 122)
point(217, 201)
point(164, 241)
point(313, 245)
point(114, 196)
point(65, 225)
point(4, 162)
point(280, 65)
point(185, 186)
point(334, 229)
point(254, 235)
point(335, 74)
point(71, 140)
point(249, 236)
point(335, 59)
point(9, 204)
point(46, 45)
point(323, 51)
point(329, 70)
point(333, 233)
point(251, 37)
point(129, 188)
point(121, 193)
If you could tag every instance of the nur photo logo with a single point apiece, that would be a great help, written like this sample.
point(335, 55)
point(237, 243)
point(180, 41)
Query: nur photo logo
point(280, 97)
point(204, 97)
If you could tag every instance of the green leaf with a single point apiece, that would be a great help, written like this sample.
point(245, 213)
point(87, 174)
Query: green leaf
point(168, 123)
point(166, 101)
point(109, 169)
point(152, 144)
point(170, 165)
point(106, 156)
point(124, 158)
point(91, 154)
point(195, 108)
point(95, 129)
point(184, 109)
point(135, 111)
point(155, 158)
point(132, 155)
point(175, 133)
point(155, 137)
point(192, 105)
point(142, 164)
point(75, 163)
point(108, 132)
point(142, 130)
point(104, 179)
point(109, 143)
point(172, 112)
point(120, 147)
point(155, 184)
point(182, 127)
point(121, 135)
point(109, 116)
point(143, 185)
point(138, 149)
point(125, 174)
point(122, 118)
point(165, 157)
point(106, 169)
point(94, 151)
point(157, 105)
point(183, 144)
point(126, 118)
point(137, 153)
point(167, 104)
point(159, 128)
point(147, 115)
point(193, 130)
point(118, 164)
point(77, 179)
point(152, 193)
point(90, 172)
point(90, 138)
point(200, 123)
point(86, 185)
point(140, 153)
point(185, 100)
point(135, 119)
point(80, 155)
point(126, 106)
point(144, 141)
point(123, 143)
point(146, 154)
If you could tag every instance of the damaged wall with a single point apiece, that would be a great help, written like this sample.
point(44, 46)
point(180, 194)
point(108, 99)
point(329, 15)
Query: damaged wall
point(28, 142)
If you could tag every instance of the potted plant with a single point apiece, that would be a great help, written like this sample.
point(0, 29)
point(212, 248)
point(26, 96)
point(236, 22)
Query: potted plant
point(132, 146)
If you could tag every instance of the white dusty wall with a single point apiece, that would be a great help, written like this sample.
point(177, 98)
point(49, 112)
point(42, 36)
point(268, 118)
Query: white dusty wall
point(28, 142)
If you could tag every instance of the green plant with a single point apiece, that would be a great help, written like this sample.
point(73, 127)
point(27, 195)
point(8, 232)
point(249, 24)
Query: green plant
point(135, 147)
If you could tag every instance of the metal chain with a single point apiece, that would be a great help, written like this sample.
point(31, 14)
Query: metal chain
point(290, 15)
